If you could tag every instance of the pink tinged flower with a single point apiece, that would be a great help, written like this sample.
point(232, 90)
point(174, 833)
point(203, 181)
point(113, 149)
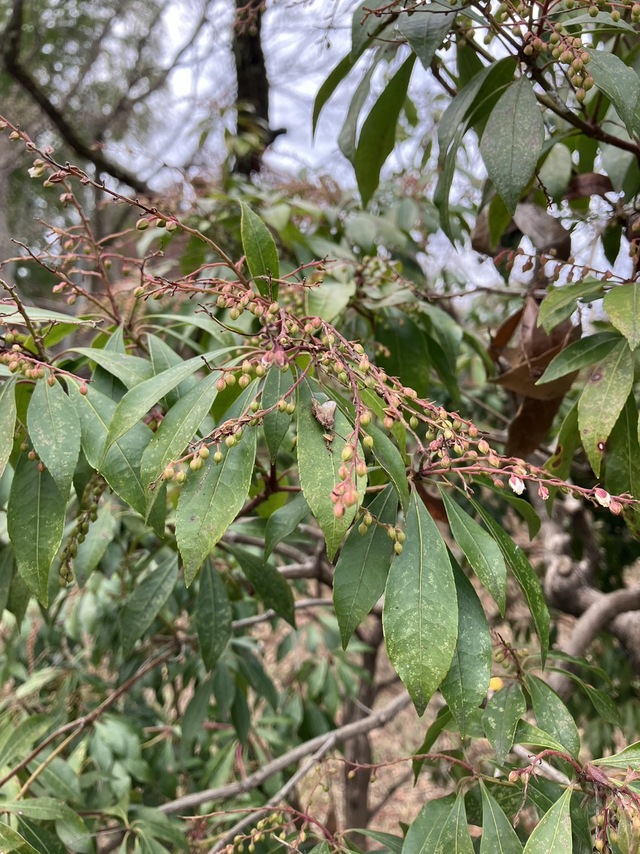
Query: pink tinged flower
point(616, 507)
point(543, 492)
point(517, 484)
point(602, 496)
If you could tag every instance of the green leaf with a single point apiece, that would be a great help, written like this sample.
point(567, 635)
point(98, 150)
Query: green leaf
point(622, 304)
point(527, 733)
point(50, 809)
point(130, 370)
point(467, 681)
point(512, 141)
point(284, 521)
point(7, 421)
point(578, 355)
point(176, 430)
point(319, 462)
point(426, 31)
point(365, 27)
point(97, 539)
point(146, 601)
point(277, 385)
point(501, 716)
point(270, 586)
point(552, 715)
point(424, 834)
point(210, 500)
point(420, 615)
point(619, 83)
point(11, 840)
point(212, 616)
point(54, 429)
point(139, 400)
point(378, 134)
point(348, 134)
point(121, 466)
point(498, 836)
point(18, 740)
point(622, 471)
point(602, 400)
point(392, 462)
point(525, 576)
point(362, 568)
point(523, 508)
point(553, 832)
point(35, 523)
point(480, 549)
point(442, 721)
point(405, 350)
point(560, 301)
point(261, 252)
point(627, 758)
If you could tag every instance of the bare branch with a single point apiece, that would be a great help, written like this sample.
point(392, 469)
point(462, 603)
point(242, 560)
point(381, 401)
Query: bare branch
point(343, 733)
point(11, 57)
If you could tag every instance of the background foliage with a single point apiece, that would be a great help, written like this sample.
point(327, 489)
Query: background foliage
point(260, 444)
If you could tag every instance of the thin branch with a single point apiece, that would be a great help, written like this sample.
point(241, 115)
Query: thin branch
point(11, 57)
point(301, 605)
point(343, 733)
point(329, 742)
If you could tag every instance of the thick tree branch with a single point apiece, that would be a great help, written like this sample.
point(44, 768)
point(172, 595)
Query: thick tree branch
point(342, 734)
point(11, 60)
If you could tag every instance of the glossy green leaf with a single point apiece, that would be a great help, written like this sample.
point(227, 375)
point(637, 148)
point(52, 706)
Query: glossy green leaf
point(260, 251)
point(43, 840)
point(35, 523)
point(146, 601)
point(319, 461)
point(426, 31)
point(552, 715)
point(348, 134)
point(498, 835)
point(212, 615)
point(501, 716)
point(390, 458)
point(579, 354)
point(177, 429)
point(139, 399)
point(7, 421)
point(622, 304)
point(365, 26)
point(50, 809)
point(54, 429)
point(553, 832)
point(210, 500)
point(467, 682)
point(362, 568)
point(277, 385)
point(480, 549)
point(284, 521)
point(378, 133)
point(602, 401)
point(560, 301)
point(424, 833)
point(525, 576)
point(627, 758)
point(420, 615)
point(130, 370)
point(270, 586)
point(512, 141)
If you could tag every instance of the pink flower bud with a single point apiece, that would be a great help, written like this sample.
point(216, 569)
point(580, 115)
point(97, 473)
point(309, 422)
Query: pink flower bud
point(517, 484)
point(602, 496)
point(543, 492)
